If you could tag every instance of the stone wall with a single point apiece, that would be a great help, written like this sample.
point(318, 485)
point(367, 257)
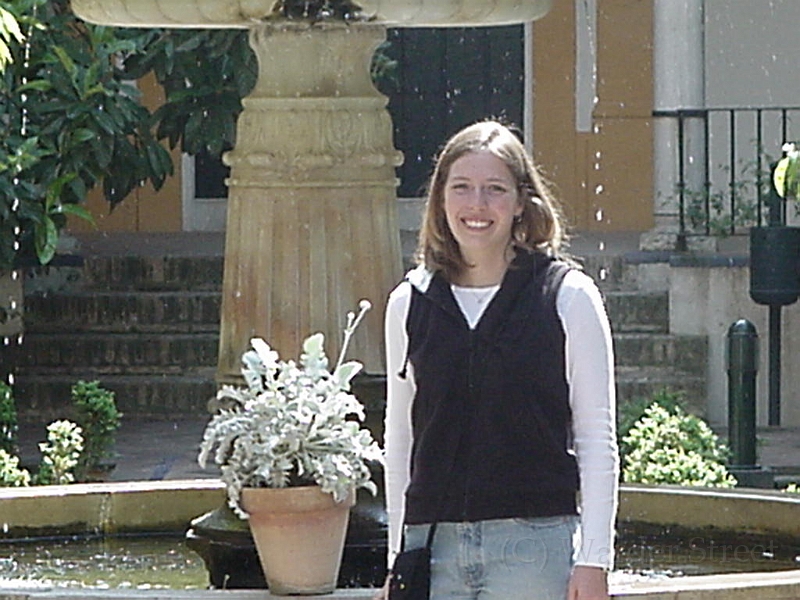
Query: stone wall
point(706, 297)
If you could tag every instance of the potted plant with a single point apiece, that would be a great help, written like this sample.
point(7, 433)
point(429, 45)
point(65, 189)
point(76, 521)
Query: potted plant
point(775, 248)
point(292, 452)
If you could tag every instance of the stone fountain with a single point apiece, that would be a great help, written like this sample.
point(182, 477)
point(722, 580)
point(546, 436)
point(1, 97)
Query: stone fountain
point(312, 225)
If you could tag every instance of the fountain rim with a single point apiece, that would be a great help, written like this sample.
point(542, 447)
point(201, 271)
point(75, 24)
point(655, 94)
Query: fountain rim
point(245, 14)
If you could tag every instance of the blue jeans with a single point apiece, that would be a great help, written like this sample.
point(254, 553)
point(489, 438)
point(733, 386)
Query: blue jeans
point(502, 559)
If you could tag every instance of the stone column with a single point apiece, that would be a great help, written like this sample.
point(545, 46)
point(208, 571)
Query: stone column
point(312, 225)
point(679, 82)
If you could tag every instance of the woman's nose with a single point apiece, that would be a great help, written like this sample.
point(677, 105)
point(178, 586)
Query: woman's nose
point(479, 197)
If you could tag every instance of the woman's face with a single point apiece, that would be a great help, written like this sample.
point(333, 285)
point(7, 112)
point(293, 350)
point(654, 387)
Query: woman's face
point(480, 202)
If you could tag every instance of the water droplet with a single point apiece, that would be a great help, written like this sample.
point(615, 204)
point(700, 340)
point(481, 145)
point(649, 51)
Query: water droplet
point(599, 188)
point(599, 214)
point(601, 246)
point(603, 274)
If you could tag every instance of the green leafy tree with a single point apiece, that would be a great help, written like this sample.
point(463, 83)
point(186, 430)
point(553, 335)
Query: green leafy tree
point(205, 74)
point(9, 33)
point(71, 121)
point(673, 447)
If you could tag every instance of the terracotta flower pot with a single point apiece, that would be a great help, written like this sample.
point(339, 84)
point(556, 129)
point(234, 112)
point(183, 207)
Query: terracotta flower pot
point(299, 534)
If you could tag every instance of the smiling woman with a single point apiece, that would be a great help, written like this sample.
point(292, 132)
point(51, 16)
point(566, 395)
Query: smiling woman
point(500, 391)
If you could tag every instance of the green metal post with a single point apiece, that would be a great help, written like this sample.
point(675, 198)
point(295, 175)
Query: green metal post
point(742, 368)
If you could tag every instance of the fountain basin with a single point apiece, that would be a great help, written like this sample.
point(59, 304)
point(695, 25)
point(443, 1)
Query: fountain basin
point(170, 505)
point(106, 508)
point(244, 13)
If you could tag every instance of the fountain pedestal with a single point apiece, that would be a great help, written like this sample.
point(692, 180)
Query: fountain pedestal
point(312, 224)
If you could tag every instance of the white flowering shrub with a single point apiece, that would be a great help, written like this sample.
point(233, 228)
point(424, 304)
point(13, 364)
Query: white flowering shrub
point(294, 424)
point(11, 475)
point(60, 453)
point(673, 447)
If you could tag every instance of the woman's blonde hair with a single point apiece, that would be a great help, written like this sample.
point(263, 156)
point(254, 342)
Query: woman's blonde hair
point(540, 227)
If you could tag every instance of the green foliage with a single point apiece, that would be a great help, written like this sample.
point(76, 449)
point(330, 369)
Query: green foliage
point(316, 10)
point(205, 75)
point(10, 473)
point(721, 211)
point(8, 419)
point(97, 415)
point(71, 122)
point(60, 453)
point(9, 33)
point(791, 182)
point(673, 447)
point(631, 412)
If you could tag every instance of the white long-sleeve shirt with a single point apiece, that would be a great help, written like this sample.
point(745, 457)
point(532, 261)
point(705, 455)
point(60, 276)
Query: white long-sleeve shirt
point(590, 374)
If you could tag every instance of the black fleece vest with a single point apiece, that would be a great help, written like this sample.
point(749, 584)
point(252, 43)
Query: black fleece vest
point(491, 418)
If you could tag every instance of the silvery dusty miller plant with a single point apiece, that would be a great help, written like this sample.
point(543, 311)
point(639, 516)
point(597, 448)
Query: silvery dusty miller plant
point(294, 423)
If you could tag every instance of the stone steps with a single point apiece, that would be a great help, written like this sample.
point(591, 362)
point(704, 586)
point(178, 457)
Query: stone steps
point(638, 312)
point(46, 396)
point(682, 352)
point(153, 272)
point(121, 311)
point(147, 327)
point(120, 353)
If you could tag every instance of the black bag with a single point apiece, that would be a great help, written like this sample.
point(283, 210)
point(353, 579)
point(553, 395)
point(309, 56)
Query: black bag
point(411, 572)
point(411, 575)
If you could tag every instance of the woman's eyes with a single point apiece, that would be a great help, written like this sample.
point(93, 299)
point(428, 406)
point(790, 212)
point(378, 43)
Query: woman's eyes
point(492, 189)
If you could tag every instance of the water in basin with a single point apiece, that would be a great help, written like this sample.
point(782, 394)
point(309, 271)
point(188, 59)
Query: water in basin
point(164, 562)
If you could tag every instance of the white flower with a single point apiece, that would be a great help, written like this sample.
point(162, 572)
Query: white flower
point(294, 423)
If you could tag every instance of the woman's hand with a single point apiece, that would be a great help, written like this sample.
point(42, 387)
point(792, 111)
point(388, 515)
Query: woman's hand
point(588, 583)
point(383, 593)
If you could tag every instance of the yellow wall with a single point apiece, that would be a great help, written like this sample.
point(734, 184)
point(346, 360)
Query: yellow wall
point(144, 209)
point(622, 117)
